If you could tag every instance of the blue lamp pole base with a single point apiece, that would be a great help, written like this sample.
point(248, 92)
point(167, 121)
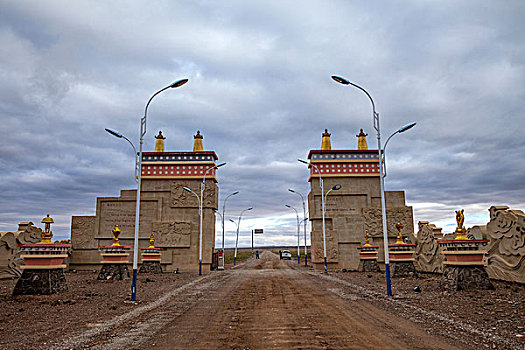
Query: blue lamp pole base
point(388, 284)
point(306, 260)
point(200, 267)
point(134, 286)
point(234, 260)
point(325, 266)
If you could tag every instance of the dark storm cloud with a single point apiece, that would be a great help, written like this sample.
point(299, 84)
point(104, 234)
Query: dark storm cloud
point(260, 92)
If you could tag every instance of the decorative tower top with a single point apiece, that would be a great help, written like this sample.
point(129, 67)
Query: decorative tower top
point(159, 144)
point(361, 141)
point(399, 227)
point(367, 240)
point(326, 145)
point(197, 142)
point(116, 232)
point(152, 240)
point(461, 233)
point(47, 234)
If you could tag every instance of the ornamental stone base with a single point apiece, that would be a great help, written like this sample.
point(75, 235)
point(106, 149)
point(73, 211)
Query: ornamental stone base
point(41, 282)
point(403, 269)
point(465, 277)
point(150, 267)
point(370, 265)
point(113, 272)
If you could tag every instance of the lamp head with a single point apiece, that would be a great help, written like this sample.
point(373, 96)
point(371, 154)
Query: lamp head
point(286, 205)
point(218, 166)
point(340, 80)
point(250, 208)
point(178, 83)
point(291, 190)
point(336, 187)
point(114, 133)
point(234, 193)
point(233, 221)
point(406, 127)
point(302, 161)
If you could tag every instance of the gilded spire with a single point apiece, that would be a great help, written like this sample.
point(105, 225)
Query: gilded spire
point(399, 239)
point(116, 232)
point(325, 144)
point(159, 144)
point(197, 142)
point(361, 141)
point(47, 234)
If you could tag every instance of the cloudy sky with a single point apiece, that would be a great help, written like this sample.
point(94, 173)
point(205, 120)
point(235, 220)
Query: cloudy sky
point(260, 92)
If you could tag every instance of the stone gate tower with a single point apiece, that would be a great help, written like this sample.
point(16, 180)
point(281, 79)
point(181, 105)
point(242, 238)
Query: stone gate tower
point(353, 209)
point(167, 210)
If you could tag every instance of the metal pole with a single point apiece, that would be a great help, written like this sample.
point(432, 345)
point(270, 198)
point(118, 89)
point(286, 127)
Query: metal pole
point(375, 117)
point(304, 221)
point(137, 206)
point(298, 231)
point(237, 239)
point(223, 209)
point(252, 242)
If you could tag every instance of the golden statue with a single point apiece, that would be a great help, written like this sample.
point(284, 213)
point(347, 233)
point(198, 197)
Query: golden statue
point(325, 144)
point(399, 227)
point(116, 232)
point(367, 240)
point(361, 141)
point(197, 142)
point(47, 234)
point(461, 232)
point(152, 240)
point(159, 143)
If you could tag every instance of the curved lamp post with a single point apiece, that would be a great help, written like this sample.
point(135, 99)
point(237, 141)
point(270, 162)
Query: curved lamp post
point(298, 250)
point(120, 136)
point(237, 239)
point(304, 221)
point(398, 131)
point(323, 206)
point(375, 116)
point(222, 219)
point(201, 200)
point(138, 178)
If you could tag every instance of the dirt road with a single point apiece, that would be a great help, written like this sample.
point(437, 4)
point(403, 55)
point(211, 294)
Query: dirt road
point(263, 304)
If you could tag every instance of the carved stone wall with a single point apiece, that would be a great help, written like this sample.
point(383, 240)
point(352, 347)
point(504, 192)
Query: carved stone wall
point(428, 257)
point(506, 250)
point(349, 212)
point(166, 209)
point(10, 260)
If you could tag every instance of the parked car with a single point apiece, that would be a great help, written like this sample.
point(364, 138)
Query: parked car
point(285, 254)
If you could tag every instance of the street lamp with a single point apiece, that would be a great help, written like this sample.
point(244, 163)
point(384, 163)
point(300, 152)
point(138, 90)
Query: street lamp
point(237, 239)
point(398, 131)
point(375, 116)
point(298, 250)
point(138, 177)
point(120, 136)
point(222, 219)
point(201, 200)
point(304, 221)
point(323, 207)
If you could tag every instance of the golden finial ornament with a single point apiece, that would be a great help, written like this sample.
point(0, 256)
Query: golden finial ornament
point(461, 232)
point(116, 232)
point(47, 234)
point(197, 142)
point(367, 240)
point(399, 227)
point(152, 240)
point(159, 143)
point(361, 141)
point(325, 144)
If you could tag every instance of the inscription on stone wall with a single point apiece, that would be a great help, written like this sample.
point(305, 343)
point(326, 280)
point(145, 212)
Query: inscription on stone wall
point(122, 213)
